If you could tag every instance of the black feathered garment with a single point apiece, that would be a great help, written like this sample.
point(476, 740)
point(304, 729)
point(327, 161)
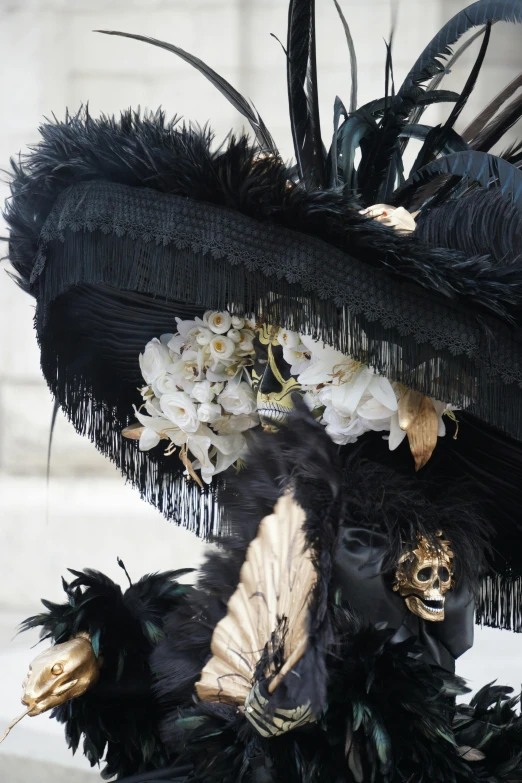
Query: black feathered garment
point(119, 225)
point(382, 684)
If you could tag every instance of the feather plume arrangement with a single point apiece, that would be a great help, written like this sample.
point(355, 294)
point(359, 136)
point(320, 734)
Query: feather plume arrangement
point(301, 459)
point(390, 716)
point(118, 718)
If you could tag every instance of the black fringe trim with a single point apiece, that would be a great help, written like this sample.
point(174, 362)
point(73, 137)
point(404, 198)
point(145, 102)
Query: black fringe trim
point(499, 603)
point(118, 264)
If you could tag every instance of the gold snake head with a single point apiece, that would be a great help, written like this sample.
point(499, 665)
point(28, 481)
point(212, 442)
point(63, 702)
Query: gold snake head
point(61, 673)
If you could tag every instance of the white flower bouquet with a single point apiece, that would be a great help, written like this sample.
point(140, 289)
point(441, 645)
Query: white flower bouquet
point(348, 397)
point(198, 393)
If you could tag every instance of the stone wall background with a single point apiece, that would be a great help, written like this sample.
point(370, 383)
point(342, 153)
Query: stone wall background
point(50, 60)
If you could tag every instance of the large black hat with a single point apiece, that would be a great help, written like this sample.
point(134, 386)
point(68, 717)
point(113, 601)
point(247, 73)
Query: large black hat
point(118, 226)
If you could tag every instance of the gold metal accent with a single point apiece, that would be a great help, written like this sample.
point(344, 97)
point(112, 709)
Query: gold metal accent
point(184, 457)
point(274, 406)
point(60, 673)
point(12, 725)
point(418, 417)
point(276, 581)
point(424, 576)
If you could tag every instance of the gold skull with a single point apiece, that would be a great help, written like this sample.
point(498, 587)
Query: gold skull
point(272, 381)
point(424, 576)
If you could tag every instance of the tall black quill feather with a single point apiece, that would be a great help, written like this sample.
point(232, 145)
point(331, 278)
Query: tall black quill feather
point(231, 94)
point(433, 145)
point(493, 132)
point(302, 93)
point(353, 58)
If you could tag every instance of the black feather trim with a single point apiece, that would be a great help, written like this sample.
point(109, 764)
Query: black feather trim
point(118, 718)
point(390, 717)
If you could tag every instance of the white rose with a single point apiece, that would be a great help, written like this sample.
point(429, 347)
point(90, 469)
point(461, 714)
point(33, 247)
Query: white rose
point(238, 398)
point(181, 410)
point(343, 429)
point(222, 347)
point(288, 339)
point(203, 391)
point(218, 322)
point(165, 383)
point(234, 335)
point(204, 336)
point(154, 360)
point(237, 322)
point(209, 412)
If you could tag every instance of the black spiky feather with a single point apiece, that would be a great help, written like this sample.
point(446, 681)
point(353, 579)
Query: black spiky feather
point(117, 718)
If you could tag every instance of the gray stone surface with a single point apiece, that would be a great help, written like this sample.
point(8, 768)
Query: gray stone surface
point(19, 769)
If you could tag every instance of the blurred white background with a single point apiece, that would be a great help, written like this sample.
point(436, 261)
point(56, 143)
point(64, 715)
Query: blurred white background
point(50, 59)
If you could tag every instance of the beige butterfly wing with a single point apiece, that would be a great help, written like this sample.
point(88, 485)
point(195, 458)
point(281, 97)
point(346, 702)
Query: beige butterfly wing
point(276, 583)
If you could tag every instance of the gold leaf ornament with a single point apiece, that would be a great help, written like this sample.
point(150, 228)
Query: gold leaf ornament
point(418, 418)
point(269, 609)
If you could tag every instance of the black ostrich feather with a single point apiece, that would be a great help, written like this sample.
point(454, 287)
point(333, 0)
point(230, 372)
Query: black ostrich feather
point(118, 718)
point(389, 717)
point(471, 166)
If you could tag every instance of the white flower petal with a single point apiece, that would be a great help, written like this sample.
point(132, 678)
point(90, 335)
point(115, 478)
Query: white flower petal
point(222, 347)
point(288, 339)
point(382, 390)
point(181, 410)
point(209, 412)
point(346, 396)
point(148, 439)
point(154, 360)
point(218, 322)
point(373, 410)
point(396, 434)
